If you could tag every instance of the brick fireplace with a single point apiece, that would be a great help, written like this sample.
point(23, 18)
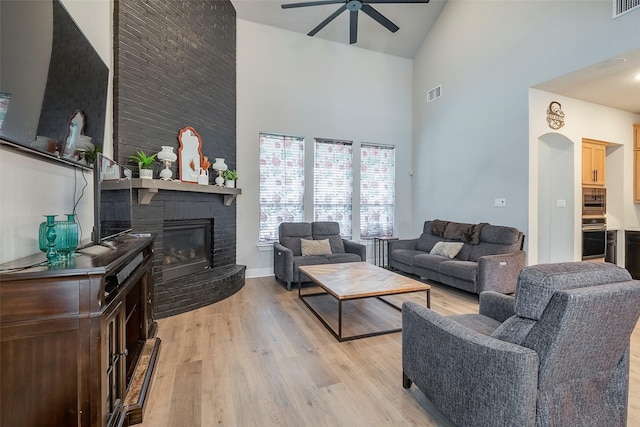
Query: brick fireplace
point(175, 67)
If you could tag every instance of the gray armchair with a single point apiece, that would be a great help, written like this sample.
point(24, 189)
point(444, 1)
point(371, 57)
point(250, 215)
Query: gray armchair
point(555, 355)
point(287, 252)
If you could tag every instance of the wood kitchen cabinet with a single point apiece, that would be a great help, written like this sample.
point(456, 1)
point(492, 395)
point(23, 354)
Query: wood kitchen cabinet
point(636, 163)
point(77, 344)
point(593, 163)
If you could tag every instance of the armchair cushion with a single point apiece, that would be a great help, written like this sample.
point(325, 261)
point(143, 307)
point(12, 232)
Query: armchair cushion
point(537, 284)
point(331, 231)
point(290, 234)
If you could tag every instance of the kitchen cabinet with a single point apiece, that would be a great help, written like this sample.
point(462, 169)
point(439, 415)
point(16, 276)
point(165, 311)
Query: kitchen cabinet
point(77, 344)
point(636, 163)
point(593, 162)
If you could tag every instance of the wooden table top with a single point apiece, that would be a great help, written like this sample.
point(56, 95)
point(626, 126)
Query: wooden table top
point(360, 280)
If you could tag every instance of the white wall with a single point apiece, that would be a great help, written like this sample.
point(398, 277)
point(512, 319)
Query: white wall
point(582, 120)
point(472, 145)
point(294, 84)
point(30, 187)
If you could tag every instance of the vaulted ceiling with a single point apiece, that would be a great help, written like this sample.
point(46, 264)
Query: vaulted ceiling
point(608, 83)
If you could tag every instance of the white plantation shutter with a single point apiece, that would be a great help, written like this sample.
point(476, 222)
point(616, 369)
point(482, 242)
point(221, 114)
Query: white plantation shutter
point(281, 183)
point(333, 183)
point(377, 190)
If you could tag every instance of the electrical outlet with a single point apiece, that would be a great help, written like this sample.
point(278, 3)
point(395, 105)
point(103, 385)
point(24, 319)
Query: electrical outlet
point(500, 203)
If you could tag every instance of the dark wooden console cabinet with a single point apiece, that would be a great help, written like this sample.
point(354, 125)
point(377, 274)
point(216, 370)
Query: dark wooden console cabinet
point(77, 344)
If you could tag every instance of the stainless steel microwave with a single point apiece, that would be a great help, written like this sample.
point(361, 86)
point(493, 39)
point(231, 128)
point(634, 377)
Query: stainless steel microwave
point(594, 201)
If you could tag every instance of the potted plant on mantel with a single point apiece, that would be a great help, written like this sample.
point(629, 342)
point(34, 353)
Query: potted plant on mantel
point(230, 176)
point(144, 162)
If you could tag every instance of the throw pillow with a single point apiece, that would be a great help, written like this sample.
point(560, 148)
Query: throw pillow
point(315, 247)
point(448, 249)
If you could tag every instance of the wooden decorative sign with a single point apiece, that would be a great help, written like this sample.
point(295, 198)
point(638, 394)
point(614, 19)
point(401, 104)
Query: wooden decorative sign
point(555, 116)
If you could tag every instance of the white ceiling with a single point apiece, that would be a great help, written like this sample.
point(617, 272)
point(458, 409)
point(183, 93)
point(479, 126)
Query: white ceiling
point(414, 21)
point(608, 83)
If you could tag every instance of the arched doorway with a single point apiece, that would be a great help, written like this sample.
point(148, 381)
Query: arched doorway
point(555, 198)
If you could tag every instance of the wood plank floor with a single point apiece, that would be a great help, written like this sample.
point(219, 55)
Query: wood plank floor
point(261, 358)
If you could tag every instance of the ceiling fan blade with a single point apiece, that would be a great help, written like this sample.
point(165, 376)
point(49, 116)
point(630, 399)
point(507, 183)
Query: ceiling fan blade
point(395, 1)
point(382, 20)
point(353, 27)
point(311, 3)
point(326, 21)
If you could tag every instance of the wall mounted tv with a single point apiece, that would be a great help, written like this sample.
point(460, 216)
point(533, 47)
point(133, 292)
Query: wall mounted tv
point(113, 202)
point(48, 72)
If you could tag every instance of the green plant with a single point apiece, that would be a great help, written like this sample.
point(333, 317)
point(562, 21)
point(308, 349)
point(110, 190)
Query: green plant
point(92, 155)
point(230, 175)
point(143, 160)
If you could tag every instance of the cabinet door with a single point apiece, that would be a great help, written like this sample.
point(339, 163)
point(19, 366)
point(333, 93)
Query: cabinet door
point(636, 176)
point(598, 154)
point(593, 164)
point(636, 136)
point(116, 368)
point(588, 176)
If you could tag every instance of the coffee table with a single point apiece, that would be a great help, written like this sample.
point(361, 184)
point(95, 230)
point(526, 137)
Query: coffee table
point(357, 280)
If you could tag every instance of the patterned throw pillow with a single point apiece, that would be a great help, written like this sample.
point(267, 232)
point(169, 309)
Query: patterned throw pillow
point(448, 249)
point(315, 247)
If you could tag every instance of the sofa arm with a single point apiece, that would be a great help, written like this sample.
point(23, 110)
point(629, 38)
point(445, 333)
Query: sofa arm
point(283, 263)
point(355, 248)
point(500, 273)
point(402, 244)
point(497, 306)
point(474, 379)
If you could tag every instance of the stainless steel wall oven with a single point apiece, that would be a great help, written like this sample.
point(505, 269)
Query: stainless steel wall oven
point(594, 238)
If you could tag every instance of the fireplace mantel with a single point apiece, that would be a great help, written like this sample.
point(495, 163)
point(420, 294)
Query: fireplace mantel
point(147, 188)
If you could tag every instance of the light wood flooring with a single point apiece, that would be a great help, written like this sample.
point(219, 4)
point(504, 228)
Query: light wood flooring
point(261, 358)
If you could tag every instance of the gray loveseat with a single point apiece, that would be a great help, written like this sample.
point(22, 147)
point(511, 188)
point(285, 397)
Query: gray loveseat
point(287, 253)
point(490, 258)
point(556, 354)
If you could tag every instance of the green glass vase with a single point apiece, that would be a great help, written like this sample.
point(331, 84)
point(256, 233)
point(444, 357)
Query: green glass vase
point(67, 240)
point(47, 239)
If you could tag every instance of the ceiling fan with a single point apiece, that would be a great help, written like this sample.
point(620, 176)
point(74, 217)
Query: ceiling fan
point(353, 6)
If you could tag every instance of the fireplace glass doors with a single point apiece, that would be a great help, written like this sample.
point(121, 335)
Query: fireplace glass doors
point(187, 247)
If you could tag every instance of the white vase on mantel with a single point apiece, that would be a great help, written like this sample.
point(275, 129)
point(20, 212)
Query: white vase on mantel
point(229, 183)
point(203, 178)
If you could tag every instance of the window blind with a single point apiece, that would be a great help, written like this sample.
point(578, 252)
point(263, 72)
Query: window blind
point(281, 183)
point(377, 190)
point(333, 183)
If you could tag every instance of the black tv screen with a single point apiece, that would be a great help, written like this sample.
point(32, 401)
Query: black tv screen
point(113, 202)
point(49, 71)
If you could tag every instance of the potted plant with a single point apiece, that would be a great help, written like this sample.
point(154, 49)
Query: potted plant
point(91, 155)
point(144, 162)
point(230, 176)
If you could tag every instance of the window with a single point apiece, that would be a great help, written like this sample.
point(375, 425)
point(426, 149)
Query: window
point(333, 183)
point(281, 183)
point(377, 190)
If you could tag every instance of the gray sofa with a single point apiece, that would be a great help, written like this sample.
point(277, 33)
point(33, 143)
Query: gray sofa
point(490, 259)
point(287, 252)
point(556, 354)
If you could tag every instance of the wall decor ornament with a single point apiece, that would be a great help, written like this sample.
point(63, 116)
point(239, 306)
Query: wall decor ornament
point(189, 154)
point(555, 116)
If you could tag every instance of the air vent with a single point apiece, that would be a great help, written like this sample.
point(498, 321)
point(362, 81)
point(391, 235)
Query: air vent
point(434, 93)
point(620, 7)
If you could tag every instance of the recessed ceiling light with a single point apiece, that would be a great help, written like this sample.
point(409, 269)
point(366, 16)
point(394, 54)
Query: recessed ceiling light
point(637, 76)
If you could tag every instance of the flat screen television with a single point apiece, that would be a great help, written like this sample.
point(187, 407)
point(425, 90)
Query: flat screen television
point(49, 73)
point(113, 199)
